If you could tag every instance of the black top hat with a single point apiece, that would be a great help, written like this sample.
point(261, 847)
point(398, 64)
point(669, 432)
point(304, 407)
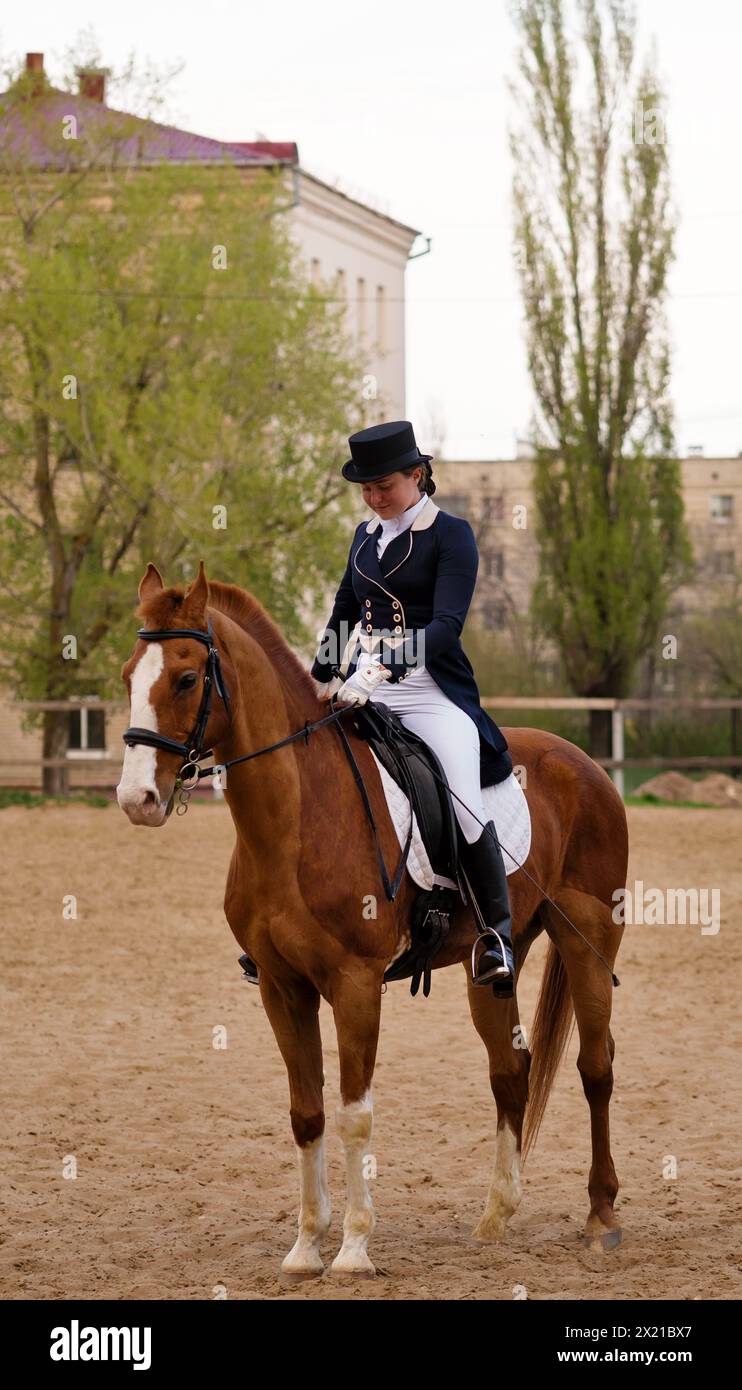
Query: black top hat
point(382, 449)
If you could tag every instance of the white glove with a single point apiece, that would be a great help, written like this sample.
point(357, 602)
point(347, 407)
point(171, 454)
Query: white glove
point(358, 687)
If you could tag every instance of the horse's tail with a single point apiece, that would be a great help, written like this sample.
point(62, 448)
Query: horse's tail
point(552, 1026)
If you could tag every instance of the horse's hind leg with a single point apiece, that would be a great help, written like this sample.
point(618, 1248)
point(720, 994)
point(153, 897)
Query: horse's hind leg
point(591, 988)
point(496, 1021)
point(294, 1016)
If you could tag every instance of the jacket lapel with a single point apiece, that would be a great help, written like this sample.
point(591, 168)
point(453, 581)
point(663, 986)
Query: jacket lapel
point(367, 561)
point(398, 551)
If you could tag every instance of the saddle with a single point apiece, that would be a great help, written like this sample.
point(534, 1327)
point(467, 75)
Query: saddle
point(412, 764)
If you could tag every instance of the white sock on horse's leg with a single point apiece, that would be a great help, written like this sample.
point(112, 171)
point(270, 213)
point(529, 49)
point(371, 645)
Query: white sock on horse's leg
point(314, 1212)
point(354, 1123)
point(505, 1190)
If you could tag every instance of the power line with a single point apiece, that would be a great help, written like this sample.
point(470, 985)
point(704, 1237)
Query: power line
point(323, 299)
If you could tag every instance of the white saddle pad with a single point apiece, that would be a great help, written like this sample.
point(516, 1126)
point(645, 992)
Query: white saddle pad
point(505, 804)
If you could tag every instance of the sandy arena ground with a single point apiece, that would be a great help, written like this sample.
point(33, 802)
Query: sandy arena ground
point(185, 1162)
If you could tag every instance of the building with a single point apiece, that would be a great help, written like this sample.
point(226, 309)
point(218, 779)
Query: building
point(712, 491)
point(354, 250)
point(497, 498)
point(360, 253)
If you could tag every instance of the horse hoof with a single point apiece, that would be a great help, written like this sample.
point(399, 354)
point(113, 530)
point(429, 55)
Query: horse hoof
point(489, 1230)
point(300, 1276)
point(607, 1240)
point(350, 1271)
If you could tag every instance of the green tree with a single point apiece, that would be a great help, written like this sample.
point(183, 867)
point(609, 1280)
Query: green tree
point(171, 388)
point(594, 234)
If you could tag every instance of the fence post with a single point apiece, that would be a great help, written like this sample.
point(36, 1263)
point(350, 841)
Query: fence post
point(617, 748)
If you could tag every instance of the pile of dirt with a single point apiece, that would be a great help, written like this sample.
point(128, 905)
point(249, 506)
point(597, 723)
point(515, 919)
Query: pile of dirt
point(717, 789)
point(669, 786)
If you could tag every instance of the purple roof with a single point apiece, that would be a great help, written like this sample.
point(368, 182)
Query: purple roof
point(39, 140)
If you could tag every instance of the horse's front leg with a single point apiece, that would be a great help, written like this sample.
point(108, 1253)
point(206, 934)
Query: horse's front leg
point(293, 1011)
point(356, 1004)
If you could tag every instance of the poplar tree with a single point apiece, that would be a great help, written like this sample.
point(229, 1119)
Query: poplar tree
point(594, 229)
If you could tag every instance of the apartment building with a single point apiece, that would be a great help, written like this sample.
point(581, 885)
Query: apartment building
point(497, 498)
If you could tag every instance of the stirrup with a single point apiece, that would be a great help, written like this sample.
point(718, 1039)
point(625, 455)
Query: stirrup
point(497, 975)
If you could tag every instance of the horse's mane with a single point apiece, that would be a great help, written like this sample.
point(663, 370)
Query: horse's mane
point(245, 610)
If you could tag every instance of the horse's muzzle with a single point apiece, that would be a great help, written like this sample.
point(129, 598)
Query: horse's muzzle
point(145, 807)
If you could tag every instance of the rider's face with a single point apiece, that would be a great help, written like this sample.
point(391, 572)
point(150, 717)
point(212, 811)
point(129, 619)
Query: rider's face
point(393, 494)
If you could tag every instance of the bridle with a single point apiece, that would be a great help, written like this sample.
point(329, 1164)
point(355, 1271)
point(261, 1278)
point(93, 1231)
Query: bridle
point(192, 751)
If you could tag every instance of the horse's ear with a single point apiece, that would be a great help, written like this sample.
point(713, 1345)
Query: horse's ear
point(150, 583)
point(196, 597)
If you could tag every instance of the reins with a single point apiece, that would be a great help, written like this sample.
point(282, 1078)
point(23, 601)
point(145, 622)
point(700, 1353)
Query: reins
point(193, 753)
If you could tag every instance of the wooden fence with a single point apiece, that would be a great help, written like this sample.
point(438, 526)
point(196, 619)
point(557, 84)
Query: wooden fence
point(618, 708)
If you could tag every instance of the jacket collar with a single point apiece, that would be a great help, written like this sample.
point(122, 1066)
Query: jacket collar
point(424, 518)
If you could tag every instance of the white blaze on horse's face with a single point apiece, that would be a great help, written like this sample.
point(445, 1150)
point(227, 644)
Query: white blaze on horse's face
point(137, 792)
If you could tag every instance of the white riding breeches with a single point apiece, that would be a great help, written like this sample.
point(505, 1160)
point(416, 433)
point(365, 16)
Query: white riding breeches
point(427, 711)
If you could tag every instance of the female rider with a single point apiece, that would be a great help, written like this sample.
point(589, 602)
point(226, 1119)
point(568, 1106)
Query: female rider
point(406, 591)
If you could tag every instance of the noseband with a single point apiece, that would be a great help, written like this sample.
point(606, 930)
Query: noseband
point(192, 750)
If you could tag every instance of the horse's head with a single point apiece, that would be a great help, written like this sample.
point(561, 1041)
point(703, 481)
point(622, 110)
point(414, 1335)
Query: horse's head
point(173, 684)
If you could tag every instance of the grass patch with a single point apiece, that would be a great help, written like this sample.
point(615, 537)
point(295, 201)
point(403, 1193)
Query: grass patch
point(13, 796)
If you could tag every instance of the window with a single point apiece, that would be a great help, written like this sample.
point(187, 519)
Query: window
point(380, 316)
point(724, 562)
point(455, 502)
point(494, 564)
point(493, 508)
point(361, 307)
point(721, 507)
point(494, 616)
point(87, 733)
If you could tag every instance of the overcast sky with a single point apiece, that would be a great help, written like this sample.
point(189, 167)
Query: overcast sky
point(406, 103)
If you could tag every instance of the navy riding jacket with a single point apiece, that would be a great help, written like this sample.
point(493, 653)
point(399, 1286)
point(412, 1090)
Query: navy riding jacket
point(415, 600)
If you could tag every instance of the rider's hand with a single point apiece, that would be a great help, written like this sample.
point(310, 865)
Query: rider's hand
point(358, 687)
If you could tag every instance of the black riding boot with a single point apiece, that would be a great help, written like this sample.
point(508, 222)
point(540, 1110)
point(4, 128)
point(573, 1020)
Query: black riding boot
point(484, 867)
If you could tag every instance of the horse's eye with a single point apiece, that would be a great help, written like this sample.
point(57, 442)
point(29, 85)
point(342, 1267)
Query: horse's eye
point(187, 681)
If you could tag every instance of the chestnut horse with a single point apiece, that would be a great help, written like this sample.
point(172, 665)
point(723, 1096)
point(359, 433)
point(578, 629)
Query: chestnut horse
point(304, 872)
